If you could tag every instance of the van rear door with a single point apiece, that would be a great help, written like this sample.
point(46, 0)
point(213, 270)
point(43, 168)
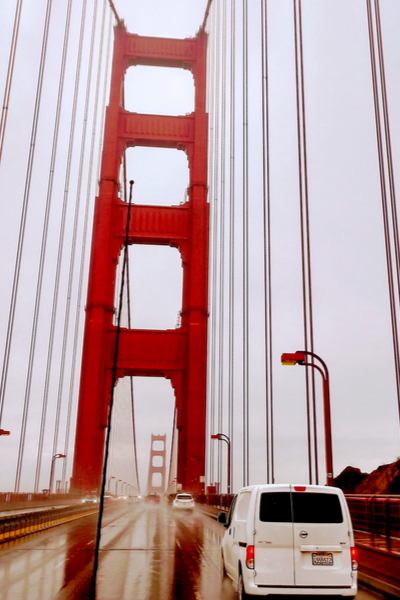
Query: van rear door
point(322, 553)
point(273, 538)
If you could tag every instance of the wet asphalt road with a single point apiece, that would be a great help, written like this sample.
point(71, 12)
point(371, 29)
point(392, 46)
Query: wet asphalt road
point(147, 553)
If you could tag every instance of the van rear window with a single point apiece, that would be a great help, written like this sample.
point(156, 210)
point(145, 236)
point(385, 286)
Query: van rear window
point(313, 507)
point(275, 507)
point(309, 507)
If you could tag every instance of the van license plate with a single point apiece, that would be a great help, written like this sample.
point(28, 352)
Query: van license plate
point(322, 558)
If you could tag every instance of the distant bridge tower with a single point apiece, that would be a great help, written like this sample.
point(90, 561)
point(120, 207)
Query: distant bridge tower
point(158, 451)
point(179, 354)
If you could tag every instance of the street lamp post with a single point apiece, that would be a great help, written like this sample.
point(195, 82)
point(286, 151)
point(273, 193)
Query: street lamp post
point(225, 438)
point(116, 486)
point(299, 358)
point(52, 469)
point(109, 482)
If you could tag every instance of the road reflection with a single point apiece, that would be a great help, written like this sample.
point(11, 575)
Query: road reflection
point(164, 555)
point(148, 552)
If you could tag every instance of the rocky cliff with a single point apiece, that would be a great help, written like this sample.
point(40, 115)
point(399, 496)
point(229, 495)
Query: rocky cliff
point(384, 480)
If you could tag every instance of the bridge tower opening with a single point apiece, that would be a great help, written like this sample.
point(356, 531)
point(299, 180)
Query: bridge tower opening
point(177, 354)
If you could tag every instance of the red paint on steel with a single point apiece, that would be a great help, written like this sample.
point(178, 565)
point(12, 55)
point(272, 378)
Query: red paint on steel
point(180, 354)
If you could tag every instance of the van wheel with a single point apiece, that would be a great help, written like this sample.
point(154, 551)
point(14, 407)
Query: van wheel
point(241, 591)
point(222, 567)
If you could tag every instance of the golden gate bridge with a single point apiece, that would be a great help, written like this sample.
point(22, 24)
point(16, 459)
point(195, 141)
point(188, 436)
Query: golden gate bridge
point(298, 179)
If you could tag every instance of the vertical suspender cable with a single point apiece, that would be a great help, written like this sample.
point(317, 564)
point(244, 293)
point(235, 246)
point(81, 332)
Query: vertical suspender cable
point(216, 341)
point(9, 77)
point(60, 245)
point(308, 244)
point(172, 457)
point(82, 269)
point(245, 249)
point(46, 220)
point(267, 245)
point(213, 253)
point(305, 233)
point(21, 237)
point(221, 310)
point(21, 244)
point(77, 204)
point(231, 300)
point(128, 288)
point(385, 209)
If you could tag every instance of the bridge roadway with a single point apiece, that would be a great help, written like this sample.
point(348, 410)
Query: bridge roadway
point(148, 552)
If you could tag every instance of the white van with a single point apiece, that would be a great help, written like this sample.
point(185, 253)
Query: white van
point(289, 539)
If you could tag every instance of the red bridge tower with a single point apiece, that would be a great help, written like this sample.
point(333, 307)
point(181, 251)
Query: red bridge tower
point(179, 354)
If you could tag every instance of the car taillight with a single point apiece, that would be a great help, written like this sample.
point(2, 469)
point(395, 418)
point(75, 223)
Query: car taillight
point(354, 563)
point(250, 557)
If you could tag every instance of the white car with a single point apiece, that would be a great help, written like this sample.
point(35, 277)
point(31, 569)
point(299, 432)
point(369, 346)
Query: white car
point(289, 539)
point(183, 501)
point(90, 499)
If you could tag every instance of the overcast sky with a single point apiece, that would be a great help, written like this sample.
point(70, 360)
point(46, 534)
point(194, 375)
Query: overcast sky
point(350, 291)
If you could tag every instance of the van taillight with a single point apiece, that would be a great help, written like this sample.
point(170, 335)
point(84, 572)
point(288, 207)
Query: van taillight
point(299, 488)
point(354, 563)
point(250, 557)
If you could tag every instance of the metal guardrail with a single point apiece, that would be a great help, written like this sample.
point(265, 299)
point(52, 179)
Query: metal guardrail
point(379, 516)
point(15, 526)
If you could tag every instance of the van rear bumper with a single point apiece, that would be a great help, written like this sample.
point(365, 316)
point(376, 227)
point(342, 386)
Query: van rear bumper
point(265, 590)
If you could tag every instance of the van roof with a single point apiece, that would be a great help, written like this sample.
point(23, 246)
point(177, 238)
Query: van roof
point(304, 487)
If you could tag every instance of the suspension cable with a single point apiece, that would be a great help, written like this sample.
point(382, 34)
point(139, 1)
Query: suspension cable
point(128, 287)
point(213, 244)
point(77, 204)
point(221, 310)
point(385, 209)
point(207, 12)
point(269, 426)
point(216, 340)
point(20, 248)
point(113, 9)
point(231, 284)
point(82, 266)
point(10, 73)
point(46, 223)
point(245, 232)
point(60, 245)
point(305, 236)
point(21, 236)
